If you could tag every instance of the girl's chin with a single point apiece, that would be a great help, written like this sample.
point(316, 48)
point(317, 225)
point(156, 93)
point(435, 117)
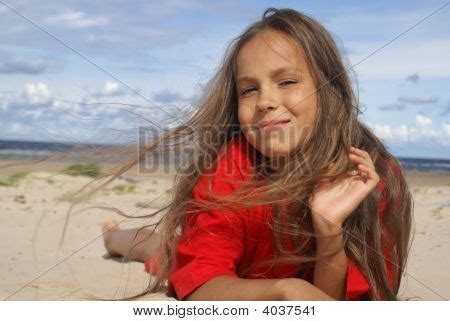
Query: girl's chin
point(274, 152)
point(270, 146)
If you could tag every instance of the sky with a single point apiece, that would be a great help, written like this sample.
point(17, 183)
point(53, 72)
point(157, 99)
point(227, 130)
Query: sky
point(93, 71)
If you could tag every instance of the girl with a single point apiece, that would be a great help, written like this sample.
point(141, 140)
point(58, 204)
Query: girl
point(289, 196)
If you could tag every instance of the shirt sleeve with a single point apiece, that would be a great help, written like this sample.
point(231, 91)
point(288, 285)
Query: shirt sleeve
point(211, 243)
point(357, 287)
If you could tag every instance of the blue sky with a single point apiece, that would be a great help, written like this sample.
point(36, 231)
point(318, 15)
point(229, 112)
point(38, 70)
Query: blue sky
point(159, 55)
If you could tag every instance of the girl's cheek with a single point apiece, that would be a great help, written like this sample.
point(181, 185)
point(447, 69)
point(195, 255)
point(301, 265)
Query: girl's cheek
point(245, 115)
point(304, 108)
point(297, 101)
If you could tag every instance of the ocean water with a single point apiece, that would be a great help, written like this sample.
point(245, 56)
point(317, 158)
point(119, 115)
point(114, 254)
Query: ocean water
point(29, 150)
point(26, 150)
point(425, 164)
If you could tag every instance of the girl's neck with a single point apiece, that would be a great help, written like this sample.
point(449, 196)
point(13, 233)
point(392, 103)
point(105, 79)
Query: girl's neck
point(274, 166)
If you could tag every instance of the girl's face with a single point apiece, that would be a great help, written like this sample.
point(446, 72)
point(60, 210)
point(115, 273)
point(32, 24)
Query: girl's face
point(277, 100)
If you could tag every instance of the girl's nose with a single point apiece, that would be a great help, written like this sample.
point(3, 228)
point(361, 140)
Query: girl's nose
point(266, 101)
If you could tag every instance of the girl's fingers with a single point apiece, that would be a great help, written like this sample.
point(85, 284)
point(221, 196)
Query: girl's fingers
point(364, 164)
point(360, 160)
point(361, 153)
point(368, 173)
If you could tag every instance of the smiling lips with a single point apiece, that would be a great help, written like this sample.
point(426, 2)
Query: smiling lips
point(267, 126)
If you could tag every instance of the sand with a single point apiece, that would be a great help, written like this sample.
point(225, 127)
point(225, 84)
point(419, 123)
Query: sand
point(36, 267)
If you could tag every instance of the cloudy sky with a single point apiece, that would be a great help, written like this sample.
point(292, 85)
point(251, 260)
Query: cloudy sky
point(84, 70)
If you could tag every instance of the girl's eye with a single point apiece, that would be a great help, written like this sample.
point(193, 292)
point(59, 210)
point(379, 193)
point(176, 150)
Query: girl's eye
point(246, 91)
point(287, 82)
point(284, 83)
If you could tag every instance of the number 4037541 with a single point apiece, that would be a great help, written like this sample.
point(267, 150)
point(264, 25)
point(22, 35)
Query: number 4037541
point(288, 310)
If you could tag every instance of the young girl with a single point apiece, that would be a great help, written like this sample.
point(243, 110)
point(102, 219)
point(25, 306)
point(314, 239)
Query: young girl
point(289, 196)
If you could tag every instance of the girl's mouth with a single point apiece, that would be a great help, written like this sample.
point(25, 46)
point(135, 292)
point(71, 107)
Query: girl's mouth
point(268, 126)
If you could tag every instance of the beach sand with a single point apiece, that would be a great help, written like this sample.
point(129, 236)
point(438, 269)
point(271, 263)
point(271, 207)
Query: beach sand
point(35, 266)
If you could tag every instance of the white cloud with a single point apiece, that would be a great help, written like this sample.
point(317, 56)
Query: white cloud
point(402, 133)
point(5, 98)
point(64, 106)
point(446, 128)
point(423, 121)
point(37, 94)
point(76, 19)
point(52, 131)
point(382, 131)
point(109, 89)
point(421, 131)
point(17, 128)
point(28, 100)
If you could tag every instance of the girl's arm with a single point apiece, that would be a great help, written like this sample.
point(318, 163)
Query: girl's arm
point(331, 203)
point(330, 273)
point(225, 288)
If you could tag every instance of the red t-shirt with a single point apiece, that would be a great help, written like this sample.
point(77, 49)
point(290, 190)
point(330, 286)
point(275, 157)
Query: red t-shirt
point(235, 242)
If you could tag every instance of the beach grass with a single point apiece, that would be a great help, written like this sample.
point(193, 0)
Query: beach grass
point(89, 170)
point(124, 189)
point(13, 180)
point(67, 197)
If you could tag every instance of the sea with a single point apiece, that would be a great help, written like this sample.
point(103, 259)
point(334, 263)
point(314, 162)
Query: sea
point(28, 150)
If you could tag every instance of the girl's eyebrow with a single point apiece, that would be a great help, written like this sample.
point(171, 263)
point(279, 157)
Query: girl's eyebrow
point(273, 73)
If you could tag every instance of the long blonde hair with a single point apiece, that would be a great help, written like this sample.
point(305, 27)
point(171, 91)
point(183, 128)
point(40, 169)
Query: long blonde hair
point(214, 123)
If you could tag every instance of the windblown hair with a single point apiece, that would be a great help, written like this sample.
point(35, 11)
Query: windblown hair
point(214, 123)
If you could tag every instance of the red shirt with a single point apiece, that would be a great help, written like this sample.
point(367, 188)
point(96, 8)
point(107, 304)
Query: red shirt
point(234, 242)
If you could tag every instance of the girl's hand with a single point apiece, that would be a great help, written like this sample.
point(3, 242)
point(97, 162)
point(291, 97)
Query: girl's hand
point(331, 204)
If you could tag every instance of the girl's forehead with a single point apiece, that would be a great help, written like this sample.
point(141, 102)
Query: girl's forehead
point(269, 48)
